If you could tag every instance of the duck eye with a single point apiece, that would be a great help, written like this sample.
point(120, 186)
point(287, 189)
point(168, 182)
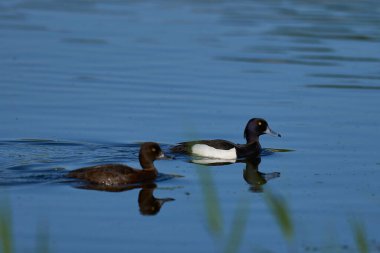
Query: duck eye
point(259, 123)
point(153, 150)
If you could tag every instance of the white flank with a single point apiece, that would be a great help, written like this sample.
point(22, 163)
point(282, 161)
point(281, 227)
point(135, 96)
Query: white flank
point(207, 151)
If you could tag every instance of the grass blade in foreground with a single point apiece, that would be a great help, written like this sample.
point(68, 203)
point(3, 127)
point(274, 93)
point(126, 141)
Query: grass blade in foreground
point(360, 237)
point(211, 201)
point(6, 228)
point(238, 227)
point(280, 210)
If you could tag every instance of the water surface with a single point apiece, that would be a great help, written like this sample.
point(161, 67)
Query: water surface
point(83, 82)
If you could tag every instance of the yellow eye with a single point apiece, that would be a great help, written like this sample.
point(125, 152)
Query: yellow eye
point(259, 123)
point(153, 149)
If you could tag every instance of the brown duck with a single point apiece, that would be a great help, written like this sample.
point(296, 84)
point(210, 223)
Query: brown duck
point(120, 174)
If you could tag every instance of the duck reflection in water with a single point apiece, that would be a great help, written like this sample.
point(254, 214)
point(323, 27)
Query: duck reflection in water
point(251, 173)
point(148, 203)
point(254, 177)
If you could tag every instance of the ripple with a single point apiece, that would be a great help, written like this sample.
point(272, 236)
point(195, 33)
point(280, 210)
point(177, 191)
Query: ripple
point(26, 176)
point(85, 41)
point(28, 161)
point(337, 86)
point(22, 27)
point(339, 58)
point(312, 49)
point(12, 16)
point(311, 32)
point(347, 76)
point(275, 61)
point(78, 6)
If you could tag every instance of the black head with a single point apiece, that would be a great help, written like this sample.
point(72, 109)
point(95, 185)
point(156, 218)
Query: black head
point(151, 151)
point(256, 127)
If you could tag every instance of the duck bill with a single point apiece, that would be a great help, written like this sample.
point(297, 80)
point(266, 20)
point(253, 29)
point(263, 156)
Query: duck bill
point(271, 132)
point(162, 156)
point(162, 201)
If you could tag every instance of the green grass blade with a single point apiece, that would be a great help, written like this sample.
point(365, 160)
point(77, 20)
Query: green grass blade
point(360, 237)
point(280, 210)
point(239, 224)
point(211, 201)
point(6, 239)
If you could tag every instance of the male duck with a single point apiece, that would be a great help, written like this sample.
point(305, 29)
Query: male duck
point(119, 174)
point(223, 149)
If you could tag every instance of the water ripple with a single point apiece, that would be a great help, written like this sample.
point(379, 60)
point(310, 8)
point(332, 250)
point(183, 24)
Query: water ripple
point(312, 32)
point(28, 161)
point(339, 58)
point(347, 76)
point(275, 61)
point(346, 87)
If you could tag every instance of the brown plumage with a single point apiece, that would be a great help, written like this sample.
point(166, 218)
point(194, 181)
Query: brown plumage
point(119, 174)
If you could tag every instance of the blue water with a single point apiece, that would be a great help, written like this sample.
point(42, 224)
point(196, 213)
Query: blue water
point(83, 82)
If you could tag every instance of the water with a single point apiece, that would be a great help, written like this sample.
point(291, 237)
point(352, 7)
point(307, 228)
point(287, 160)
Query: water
point(83, 82)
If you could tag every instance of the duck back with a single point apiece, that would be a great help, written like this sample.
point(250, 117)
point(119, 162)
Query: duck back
point(113, 174)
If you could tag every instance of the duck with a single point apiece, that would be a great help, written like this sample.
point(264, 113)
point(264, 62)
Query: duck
point(222, 149)
point(120, 174)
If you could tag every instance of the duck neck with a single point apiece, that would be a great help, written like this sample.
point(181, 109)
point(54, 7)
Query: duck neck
point(251, 138)
point(252, 163)
point(146, 195)
point(249, 149)
point(146, 163)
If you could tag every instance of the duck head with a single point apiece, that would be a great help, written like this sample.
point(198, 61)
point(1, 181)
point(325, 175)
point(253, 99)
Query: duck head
point(256, 127)
point(149, 152)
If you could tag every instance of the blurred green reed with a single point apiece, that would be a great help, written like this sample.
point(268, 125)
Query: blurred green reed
point(6, 237)
point(233, 237)
point(281, 212)
point(239, 223)
point(360, 237)
point(211, 201)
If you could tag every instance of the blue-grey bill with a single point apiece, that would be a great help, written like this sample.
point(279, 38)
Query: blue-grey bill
point(271, 132)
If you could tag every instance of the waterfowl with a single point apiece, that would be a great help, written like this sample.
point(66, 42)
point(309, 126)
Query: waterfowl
point(120, 174)
point(223, 149)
